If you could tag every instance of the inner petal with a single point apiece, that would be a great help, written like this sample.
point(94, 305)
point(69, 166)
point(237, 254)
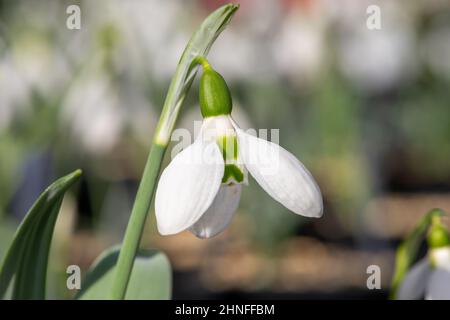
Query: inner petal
point(234, 171)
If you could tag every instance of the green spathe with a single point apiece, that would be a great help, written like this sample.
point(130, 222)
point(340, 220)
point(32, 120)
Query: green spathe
point(215, 97)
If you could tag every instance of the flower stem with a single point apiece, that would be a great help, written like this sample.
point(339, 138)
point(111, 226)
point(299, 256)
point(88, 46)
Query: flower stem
point(202, 60)
point(137, 221)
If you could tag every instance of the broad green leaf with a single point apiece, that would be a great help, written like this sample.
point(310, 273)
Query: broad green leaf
point(199, 45)
point(408, 249)
point(151, 278)
point(27, 258)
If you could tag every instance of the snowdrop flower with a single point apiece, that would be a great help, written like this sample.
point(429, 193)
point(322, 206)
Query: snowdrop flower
point(430, 277)
point(201, 188)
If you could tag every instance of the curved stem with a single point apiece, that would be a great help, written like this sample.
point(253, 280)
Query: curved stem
point(202, 60)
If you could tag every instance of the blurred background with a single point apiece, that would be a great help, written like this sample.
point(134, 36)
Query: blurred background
point(367, 111)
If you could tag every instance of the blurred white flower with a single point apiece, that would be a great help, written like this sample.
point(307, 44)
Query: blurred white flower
point(299, 46)
point(41, 65)
point(29, 64)
point(93, 112)
point(429, 278)
point(376, 60)
point(15, 92)
point(156, 26)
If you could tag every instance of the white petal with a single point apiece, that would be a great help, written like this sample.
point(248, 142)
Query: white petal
point(414, 284)
point(281, 175)
point(439, 285)
point(440, 257)
point(219, 214)
point(188, 186)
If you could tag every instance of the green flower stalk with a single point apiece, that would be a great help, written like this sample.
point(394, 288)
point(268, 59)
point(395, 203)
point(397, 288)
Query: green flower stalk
point(198, 46)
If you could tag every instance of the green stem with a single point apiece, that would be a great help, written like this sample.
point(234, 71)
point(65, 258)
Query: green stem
point(137, 221)
point(201, 60)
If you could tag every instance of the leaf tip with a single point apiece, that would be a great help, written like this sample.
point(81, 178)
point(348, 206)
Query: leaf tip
point(233, 7)
point(74, 175)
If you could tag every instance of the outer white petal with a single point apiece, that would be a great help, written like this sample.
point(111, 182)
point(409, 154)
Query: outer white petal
point(281, 175)
point(219, 214)
point(414, 284)
point(439, 285)
point(440, 257)
point(188, 186)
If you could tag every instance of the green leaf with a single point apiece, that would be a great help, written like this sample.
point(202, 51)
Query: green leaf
point(27, 257)
point(408, 249)
point(198, 46)
point(151, 278)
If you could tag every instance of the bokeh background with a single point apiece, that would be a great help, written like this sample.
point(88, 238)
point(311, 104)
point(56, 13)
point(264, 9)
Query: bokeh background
point(367, 111)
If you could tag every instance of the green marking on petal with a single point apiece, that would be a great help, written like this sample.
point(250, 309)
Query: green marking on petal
point(229, 147)
point(232, 173)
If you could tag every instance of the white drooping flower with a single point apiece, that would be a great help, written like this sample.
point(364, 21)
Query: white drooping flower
point(201, 188)
point(429, 278)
